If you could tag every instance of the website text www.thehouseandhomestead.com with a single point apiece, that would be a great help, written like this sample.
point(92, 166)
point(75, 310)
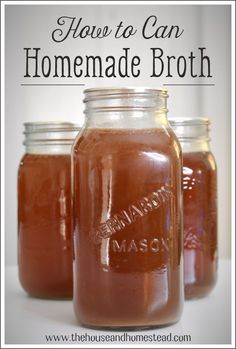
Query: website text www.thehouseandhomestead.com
point(117, 338)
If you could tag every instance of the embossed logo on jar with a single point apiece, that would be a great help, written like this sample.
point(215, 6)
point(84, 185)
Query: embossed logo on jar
point(194, 241)
point(129, 215)
point(154, 245)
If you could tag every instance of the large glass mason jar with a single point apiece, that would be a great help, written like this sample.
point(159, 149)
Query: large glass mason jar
point(44, 210)
point(200, 206)
point(127, 211)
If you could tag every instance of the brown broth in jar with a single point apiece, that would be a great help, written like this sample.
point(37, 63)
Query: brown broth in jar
point(200, 223)
point(128, 227)
point(44, 225)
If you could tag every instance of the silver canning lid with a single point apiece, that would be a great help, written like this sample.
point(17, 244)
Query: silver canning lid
point(121, 92)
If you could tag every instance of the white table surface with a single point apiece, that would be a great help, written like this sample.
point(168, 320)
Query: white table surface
point(28, 320)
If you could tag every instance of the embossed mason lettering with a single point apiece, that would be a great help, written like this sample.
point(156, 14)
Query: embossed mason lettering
point(128, 216)
point(154, 245)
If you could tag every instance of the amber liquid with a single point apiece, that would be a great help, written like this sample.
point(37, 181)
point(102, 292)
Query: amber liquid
point(44, 226)
point(200, 223)
point(128, 253)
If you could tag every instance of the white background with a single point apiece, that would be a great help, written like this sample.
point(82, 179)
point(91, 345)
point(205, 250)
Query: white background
point(206, 320)
point(32, 25)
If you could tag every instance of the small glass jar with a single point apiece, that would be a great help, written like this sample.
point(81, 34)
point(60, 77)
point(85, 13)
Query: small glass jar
point(127, 211)
point(44, 210)
point(200, 206)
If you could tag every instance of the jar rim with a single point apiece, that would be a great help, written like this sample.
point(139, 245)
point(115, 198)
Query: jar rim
point(183, 121)
point(108, 92)
point(50, 126)
point(47, 123)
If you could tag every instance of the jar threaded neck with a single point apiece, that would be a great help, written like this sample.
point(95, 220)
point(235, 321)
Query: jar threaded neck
point(49, 137)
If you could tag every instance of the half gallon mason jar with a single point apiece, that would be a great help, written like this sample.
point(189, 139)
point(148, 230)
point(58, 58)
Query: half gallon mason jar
point(200, 206)
point(44, 210)
point(127, 211)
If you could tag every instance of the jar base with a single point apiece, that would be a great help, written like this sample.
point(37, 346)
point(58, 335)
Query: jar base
point(128, 327)
point(51, 298)
point(197, 292)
